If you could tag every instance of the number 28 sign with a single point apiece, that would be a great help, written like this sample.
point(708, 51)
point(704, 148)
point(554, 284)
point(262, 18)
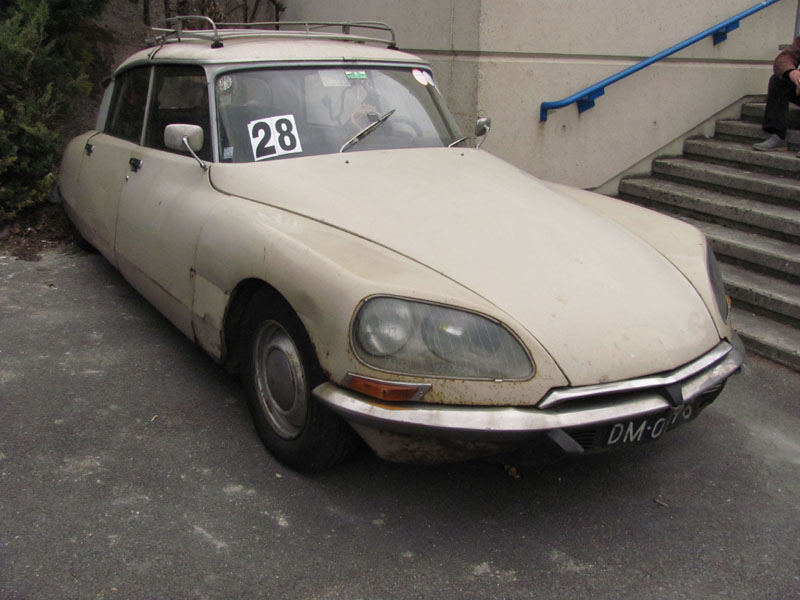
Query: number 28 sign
point(274, 136)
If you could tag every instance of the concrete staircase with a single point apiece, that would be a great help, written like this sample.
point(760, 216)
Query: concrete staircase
point(748, 204)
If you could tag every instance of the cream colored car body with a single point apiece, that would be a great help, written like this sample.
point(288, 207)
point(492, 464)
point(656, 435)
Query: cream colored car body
point(598, 291)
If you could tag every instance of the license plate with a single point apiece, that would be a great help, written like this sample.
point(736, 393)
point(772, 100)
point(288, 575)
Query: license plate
point(640, 431)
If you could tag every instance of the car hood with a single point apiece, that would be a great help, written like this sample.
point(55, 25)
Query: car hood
point(604, 304)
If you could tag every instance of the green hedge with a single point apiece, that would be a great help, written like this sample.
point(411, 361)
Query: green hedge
point(48, 49)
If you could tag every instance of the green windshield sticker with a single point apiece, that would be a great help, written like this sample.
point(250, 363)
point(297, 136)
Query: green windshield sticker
point(356, 74)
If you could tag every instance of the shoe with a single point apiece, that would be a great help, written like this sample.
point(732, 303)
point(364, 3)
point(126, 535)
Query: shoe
point(773, 142)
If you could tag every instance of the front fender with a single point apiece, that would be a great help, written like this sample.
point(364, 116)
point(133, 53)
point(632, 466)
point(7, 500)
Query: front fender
point(324, 273)
point(682, 244)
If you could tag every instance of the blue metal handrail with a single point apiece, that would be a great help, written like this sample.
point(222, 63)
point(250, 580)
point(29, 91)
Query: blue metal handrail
point(586, 97)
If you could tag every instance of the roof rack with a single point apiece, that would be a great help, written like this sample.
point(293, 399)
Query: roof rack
point(175, 29)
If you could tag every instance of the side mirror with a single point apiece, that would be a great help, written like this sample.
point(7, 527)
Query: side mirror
point(482, 127)
point(174, 134)
point(185, 138)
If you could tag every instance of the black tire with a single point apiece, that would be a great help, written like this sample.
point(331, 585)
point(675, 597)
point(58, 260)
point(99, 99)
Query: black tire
point(280, 370)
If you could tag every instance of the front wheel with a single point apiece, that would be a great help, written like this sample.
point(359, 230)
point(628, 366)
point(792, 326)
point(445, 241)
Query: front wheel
point(280, 373)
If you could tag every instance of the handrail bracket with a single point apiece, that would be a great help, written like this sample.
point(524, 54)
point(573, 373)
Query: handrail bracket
point(722, 35)
point(587, 101)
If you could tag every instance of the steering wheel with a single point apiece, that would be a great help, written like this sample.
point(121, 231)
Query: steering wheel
point(364, 115)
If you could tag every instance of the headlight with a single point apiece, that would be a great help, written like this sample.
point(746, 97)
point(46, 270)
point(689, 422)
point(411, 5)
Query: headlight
point(717, 284)
point(385, 328)
point(417, 338)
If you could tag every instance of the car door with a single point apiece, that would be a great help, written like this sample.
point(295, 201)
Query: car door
point(107, 160)
point(164, 202)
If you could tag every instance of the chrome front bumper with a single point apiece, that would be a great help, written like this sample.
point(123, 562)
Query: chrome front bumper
point(561, 409)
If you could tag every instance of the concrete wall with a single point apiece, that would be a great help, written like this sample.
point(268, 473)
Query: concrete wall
point(502, 58)
point(444, 32)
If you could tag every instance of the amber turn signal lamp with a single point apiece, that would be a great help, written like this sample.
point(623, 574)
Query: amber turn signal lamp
point(387, 391)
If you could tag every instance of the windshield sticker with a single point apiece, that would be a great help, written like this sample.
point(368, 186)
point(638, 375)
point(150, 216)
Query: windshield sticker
point(333, 78)
point(225, 83)
point(356, 74)
point(274, 136)
point(420, 76)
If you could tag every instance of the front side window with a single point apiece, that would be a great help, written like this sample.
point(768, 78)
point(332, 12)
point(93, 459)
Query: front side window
point(268, 114)
point(180, 96)
point(126, 114)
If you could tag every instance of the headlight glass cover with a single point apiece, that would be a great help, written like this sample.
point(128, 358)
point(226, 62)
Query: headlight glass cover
point(717, 284)
point(423, 339)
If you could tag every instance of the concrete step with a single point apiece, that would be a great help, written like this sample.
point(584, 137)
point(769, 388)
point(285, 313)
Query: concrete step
point(712, 205)
point(766, 185)
point(752, 132)
point(778, 256)
point(762, 291)
point(782, 162)
point(768, 338)
point(747, 203)
point(754, 111)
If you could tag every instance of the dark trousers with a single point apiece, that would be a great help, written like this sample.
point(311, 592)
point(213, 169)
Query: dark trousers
point(781, 91)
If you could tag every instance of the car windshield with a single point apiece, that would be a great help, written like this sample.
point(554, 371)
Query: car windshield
point(267, 114)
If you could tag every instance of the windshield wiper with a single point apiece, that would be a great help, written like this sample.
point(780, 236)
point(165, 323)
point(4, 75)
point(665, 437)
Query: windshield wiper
point(458, 141)
point(366, 131)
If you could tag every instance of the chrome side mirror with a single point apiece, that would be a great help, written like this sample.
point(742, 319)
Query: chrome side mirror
point(482, 127)
point(185, 138)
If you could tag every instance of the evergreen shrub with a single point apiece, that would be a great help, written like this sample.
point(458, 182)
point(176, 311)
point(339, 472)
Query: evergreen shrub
point(47, 49)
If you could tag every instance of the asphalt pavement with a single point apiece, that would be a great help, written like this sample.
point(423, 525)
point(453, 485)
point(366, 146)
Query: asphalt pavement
point(129, 469)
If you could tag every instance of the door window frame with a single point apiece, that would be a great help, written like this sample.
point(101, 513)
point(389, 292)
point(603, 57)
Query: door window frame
point(115, 99)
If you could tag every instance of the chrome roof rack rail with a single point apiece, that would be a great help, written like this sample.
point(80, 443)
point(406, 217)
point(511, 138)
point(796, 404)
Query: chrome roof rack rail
point(175, 29)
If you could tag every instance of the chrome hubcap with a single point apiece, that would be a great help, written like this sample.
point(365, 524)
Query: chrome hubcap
point(280, 380)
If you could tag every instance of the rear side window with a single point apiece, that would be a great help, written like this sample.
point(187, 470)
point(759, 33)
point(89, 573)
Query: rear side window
point(126, 115)
point(180, 96)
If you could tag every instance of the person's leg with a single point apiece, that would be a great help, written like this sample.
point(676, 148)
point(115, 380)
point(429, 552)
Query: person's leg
point(795, 99)
point(776, 114)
